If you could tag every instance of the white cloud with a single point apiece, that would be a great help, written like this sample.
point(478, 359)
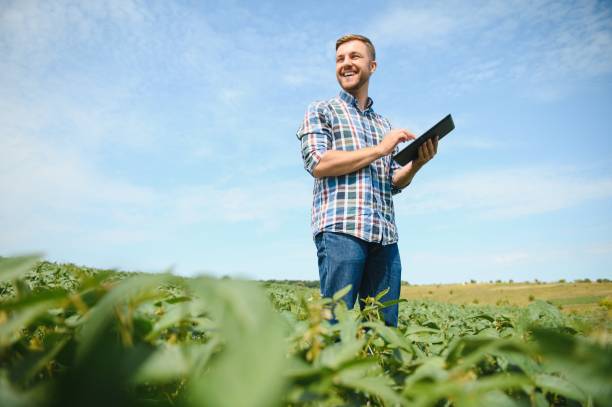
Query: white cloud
point(264, 203)
point(599, 249)
point(409, 26)
point(473, 142)
point(541, 44)
point(61, 112)
point(41, 179)
point(36, 32)
point(510, 193)
point(436, 23)
point(50, 190)
point(312, 72)
point(511, 258)
point(475, 71)
point(549, 262)
point(483, 259)
point(295, 78)
point(231, 96)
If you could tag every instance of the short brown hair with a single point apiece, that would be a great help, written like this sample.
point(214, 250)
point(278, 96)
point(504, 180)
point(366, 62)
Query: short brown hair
point(365, 40)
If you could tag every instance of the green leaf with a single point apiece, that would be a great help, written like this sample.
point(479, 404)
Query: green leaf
point(348, 322)
point(13, 397)
point(420, 329)
point(10, 331)
point(560, 386)
point(488, 333)
point(482, 316)
point(98, 318)
point(34, 362)
point(12, 268)
point(382, 293)
point(42, 296)
point(339, 353)
point(464, 392)
point(299, 370)
point(175, 362)
point(247, 372)
point(374, 386)
point(585, 364)
point(432, 370)
point(176, 313)
point(392, 302)
point(469, 350)
point(341, 293)
point(391, 335)
point(519, 360)
point(495, 398)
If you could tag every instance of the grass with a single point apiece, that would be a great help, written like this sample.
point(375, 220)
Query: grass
point(589, 299)
point(583, 297)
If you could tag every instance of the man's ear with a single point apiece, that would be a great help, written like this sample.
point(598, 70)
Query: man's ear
point(373, 66)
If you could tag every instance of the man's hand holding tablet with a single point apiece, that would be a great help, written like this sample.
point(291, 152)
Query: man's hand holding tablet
point(411, 152)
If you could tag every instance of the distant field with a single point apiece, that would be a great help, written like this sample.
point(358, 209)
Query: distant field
point(569, 297)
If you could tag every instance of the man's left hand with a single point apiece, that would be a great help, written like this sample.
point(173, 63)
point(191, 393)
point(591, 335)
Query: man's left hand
point(426, 152)
point(403, 176)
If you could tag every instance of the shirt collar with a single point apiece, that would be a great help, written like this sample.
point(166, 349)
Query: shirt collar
point(352, 100)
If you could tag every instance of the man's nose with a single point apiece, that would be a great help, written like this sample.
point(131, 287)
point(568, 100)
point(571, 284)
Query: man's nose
point(346, 63)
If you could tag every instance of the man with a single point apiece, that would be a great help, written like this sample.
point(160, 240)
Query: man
point(347, 148)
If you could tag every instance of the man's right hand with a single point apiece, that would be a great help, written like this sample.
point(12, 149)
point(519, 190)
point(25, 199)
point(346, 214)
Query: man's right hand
point(392, 139)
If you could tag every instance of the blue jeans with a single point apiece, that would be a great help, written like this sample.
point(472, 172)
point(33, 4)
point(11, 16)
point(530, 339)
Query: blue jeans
point(369, 267)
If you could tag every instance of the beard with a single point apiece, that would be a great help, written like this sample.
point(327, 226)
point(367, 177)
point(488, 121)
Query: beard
point(354, 85)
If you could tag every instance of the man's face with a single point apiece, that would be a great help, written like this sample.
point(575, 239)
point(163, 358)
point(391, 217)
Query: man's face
point(353, 65)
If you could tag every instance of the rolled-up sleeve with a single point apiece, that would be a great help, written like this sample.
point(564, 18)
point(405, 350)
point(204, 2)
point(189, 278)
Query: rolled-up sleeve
point(315, 135)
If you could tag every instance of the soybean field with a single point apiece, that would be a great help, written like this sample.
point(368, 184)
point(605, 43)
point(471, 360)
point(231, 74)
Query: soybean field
point(77, 336)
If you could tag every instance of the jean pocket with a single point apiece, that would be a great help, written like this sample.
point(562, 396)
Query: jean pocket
point(320, 244)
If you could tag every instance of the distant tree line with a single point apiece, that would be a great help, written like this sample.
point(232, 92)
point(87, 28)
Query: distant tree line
point(316, 284)
point(300, 283)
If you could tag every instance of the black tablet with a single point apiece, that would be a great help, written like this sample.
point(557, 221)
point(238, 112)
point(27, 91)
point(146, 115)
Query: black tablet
point(411, 152)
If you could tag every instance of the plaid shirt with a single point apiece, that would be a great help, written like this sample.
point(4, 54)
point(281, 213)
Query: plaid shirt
point(359, 203)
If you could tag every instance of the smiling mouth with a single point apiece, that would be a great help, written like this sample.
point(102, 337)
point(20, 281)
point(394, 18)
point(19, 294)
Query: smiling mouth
point(349, 74)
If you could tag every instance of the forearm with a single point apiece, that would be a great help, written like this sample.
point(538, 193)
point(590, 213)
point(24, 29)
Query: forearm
point(403, 176)
point(338, 162)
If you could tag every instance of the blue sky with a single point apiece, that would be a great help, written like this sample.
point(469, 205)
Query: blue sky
point(152, 134)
